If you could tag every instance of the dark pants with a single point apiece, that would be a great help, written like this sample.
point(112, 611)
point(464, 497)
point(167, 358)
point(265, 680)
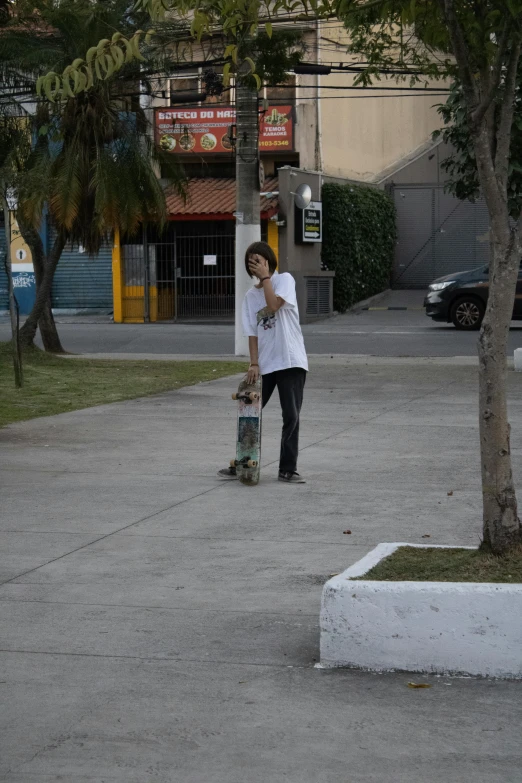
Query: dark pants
point(290, 385)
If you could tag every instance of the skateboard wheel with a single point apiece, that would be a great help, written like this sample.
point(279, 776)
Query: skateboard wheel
point(234, 396)
point(252, 463)
point(253, 396)
point(233, 463)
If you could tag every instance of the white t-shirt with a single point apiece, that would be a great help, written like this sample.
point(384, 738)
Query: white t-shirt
point(280, 339)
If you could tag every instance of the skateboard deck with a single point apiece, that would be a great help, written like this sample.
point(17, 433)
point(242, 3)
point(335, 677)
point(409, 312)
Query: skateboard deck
point(248, 444)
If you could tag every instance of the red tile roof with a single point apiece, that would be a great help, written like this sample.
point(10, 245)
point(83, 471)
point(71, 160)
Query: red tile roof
point(212, 197)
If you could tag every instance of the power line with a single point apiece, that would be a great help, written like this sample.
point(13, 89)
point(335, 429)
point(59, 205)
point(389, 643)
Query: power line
point(369, 97)
point(419, 90)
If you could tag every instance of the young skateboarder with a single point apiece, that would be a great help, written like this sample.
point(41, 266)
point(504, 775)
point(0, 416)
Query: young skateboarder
point(275, 341)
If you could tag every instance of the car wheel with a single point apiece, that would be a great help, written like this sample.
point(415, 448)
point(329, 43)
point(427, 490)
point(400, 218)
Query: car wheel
point(467, 313)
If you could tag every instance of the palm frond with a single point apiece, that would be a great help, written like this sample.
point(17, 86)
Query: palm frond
point(94, 162)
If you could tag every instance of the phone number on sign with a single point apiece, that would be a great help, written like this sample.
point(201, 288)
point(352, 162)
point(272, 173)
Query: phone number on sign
point(274, 143)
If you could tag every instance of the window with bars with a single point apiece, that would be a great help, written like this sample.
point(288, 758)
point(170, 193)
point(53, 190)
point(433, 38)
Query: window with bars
point(195, 82)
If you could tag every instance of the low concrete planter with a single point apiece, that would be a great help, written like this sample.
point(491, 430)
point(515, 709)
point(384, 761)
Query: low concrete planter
point(438, 627)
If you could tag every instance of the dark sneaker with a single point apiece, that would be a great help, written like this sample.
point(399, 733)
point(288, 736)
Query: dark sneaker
point(291, 478)
point(228, 473)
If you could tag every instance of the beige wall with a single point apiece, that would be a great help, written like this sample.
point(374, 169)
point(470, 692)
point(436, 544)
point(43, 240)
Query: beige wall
point(362, 136)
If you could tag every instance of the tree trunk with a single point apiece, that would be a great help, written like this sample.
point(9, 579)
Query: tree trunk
point(48, 330)
point(502, 528)
point(13, 305)
point(43, 288)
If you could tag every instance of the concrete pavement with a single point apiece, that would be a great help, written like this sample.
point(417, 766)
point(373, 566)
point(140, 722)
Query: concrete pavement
point(160, 625)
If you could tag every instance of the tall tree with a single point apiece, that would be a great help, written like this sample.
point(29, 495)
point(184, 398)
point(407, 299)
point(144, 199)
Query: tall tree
point(14, 147)
point(460, 164)
point(479, 43)
point(93, 166)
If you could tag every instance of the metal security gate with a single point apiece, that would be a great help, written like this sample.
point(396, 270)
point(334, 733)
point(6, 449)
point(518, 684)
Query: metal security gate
point(184, 272)
point(437, 235)
point(206, 269)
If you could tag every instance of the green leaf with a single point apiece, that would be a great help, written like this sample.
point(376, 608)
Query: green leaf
point(51, 86)
point(129, 53)
point(135, 45)
point(110, 66)
point(102, 45)
point(98, 69)
point(226, 74)
point(91, 54)
point(80, 81)
point(118, 56)
point(269, 29)
point(90, 77)
point(229, 51)
point(67, 90)
point(251, 64)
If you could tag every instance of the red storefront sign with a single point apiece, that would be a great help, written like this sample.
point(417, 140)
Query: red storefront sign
point(205, 130)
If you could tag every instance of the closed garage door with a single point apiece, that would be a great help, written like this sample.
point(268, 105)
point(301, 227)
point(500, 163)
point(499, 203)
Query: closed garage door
point(4, 293)
point(437, 235)
point(83, 283)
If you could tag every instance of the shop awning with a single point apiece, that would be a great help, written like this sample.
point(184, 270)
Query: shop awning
point(215, 199)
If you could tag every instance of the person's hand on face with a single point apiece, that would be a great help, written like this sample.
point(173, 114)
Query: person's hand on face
point(259, 267)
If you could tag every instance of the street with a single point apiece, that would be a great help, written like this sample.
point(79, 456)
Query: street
point(373, 333)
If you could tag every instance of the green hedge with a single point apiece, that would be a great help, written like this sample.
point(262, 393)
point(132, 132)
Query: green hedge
point(359, 235)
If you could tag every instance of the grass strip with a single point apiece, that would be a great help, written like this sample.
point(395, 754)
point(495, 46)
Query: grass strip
point(409, 564)
point(55, 385)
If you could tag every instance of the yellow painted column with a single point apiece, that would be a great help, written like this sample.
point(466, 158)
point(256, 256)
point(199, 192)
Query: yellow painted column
point(273, 237)
point(117, 298)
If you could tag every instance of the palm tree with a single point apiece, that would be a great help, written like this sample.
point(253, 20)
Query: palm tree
point(93, 166)
point(14, 147)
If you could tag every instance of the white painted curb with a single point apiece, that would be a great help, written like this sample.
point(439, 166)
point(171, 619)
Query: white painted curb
point(518, 359)
point(436, 627)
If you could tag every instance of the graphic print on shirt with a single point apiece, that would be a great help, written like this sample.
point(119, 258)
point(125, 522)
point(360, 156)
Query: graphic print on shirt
point(266, 318)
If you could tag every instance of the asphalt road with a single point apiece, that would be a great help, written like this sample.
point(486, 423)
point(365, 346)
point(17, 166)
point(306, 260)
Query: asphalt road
point(374, 333)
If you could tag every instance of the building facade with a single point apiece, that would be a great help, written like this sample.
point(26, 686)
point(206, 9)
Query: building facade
point(312, 129)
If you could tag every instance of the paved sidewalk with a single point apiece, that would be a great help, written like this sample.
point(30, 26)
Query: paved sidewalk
point(159, 625)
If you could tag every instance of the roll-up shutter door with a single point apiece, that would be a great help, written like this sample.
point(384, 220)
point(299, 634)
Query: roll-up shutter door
point(4, 292)
point(81, 282)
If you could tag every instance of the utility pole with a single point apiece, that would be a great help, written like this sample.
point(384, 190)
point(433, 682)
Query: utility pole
point(248, 202)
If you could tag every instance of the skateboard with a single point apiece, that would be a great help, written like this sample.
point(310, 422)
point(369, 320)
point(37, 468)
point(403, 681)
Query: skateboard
point(248, 444)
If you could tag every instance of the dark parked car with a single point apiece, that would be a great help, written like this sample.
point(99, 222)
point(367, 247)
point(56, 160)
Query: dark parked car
point(461, 298)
